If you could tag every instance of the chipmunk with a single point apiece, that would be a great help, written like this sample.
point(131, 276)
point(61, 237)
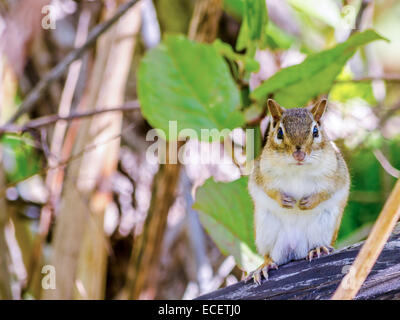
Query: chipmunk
point(299, 186)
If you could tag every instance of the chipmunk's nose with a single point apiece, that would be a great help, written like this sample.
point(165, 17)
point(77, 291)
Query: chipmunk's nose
point(299, 155)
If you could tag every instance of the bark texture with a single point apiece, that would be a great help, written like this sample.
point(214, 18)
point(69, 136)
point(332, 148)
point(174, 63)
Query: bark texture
point(318, 279)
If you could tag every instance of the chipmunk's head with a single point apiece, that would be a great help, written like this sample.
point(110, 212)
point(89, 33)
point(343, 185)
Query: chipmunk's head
point(295, 136)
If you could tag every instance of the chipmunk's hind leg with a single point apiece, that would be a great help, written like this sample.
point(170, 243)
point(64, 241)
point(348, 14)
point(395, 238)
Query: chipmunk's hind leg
point(318, 252)
point(262, 271)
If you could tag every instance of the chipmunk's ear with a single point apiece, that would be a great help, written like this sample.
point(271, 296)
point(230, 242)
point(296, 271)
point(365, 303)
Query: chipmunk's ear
point(275, 109)
point(318, 109)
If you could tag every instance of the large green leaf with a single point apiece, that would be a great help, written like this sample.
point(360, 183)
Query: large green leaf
point(296, 85)
point(226, 211)
point(188, 82)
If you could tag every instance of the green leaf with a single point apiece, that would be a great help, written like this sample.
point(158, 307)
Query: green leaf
point(296, 85)
point(190, 83)
point(344, 91)
point(223, 48)
point(234, 7)
point(257, 18)
point(253, 31)
point(20, 159)
point(277, 38)
point(226, 211)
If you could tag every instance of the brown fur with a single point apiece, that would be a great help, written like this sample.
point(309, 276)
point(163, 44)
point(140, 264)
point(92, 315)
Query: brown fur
point(297, 127)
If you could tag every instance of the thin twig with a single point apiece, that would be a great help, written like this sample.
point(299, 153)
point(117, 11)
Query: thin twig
point(389, 113)
point(36, 93)
point(369, 253)
point(394, 78)
point(48, 120)
point(386, 164)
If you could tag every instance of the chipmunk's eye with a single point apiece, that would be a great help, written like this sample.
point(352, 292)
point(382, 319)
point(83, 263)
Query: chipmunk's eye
point(280, 133)
point(315, 132)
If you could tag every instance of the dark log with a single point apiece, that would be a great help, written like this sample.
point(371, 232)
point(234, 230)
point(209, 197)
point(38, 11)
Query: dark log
point(319, 278)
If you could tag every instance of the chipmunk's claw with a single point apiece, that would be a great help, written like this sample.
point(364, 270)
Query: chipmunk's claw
point(308, 202)
point(287, 201)
point(261, 271)
point(319, 251)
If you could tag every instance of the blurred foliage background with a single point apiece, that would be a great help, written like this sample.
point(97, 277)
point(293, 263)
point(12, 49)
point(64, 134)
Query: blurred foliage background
point(77, 190)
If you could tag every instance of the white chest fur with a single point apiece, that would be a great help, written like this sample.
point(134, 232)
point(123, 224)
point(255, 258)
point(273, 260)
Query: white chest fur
point(288, 234)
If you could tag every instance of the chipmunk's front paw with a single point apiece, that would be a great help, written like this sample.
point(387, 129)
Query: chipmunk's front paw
point(319, 251)
point(261, 271)
point(308, 202)
point(287, 201)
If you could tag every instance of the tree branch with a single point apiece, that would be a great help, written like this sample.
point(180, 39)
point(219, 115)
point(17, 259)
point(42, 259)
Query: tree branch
point(388, 78)
point(48, 120)
point(372, 248)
